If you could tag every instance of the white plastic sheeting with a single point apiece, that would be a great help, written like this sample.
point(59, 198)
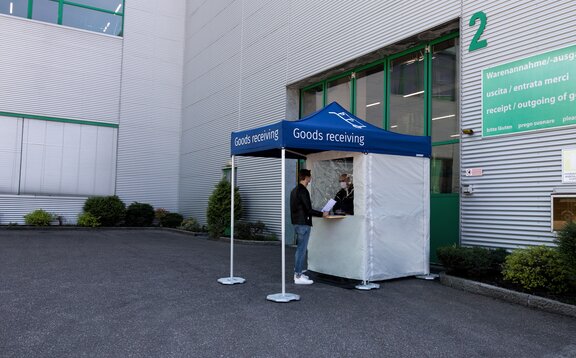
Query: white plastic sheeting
point(388, 237)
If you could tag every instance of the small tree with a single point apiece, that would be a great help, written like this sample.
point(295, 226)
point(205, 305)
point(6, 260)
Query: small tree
point(218, 212)
point(566, 241)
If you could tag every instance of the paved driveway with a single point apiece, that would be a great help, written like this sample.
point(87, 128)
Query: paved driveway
point(153, 293)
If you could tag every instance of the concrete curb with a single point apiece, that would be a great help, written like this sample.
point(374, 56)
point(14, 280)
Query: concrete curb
point(520, 298)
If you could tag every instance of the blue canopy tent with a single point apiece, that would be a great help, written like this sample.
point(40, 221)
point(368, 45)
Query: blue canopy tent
point(330, 129)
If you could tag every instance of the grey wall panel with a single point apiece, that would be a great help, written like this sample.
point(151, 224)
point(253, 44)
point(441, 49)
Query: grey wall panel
point(60, 72)
point(151, 107)
point(208, 109)
point(14, 207)
point(510, 206)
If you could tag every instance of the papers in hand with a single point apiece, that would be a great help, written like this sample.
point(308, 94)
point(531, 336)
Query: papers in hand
point(329, 205)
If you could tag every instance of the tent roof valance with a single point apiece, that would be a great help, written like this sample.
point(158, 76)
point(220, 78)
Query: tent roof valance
point(331, 128)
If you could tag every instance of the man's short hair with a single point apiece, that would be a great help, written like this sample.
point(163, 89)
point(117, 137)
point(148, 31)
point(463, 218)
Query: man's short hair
point(303, 174)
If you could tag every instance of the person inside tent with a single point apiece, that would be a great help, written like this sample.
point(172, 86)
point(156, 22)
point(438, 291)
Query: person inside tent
point(345, 196)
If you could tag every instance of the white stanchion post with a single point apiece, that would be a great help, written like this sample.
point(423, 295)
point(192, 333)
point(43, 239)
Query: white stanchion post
point(231, 280)
point(283, 297)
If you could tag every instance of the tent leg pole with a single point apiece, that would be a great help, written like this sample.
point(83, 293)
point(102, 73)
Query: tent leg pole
point(283, 297)
point(231, 280)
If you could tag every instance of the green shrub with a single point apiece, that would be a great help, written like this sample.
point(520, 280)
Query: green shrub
point(218, 212)
point(471, 261)
point(87, 220)
point(566, 241)
point(190, 224)
point(172, 220)
point(253, 231)
point(39, 218)
point(537, 268)
point(139, 214)
point(110, 209)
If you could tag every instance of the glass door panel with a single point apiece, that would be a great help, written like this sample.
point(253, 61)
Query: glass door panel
point(339, 91)
point(444, 99)
point(370, 95)
point(407, 94)
point(312, 100)
point(445, 169)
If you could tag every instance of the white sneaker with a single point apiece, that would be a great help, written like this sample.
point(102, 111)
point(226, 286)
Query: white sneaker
point(302, 280)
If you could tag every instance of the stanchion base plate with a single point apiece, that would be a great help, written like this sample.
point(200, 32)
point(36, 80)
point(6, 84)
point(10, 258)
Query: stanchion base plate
point(430, 276)
point(231, 280)
point(367, 286)
point(283, 297)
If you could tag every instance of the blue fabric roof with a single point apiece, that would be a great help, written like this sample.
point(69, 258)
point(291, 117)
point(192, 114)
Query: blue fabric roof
point(331, 128)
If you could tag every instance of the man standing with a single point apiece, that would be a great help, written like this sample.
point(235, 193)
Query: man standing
point(301, 213)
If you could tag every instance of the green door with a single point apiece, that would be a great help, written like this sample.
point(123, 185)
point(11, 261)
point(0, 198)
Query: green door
point(444, 222)
point(444, 129)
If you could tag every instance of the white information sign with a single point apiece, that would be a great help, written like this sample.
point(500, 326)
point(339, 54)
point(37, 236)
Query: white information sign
point(569, 165)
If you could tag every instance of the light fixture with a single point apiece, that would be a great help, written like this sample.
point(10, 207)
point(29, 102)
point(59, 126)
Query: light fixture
point(455, 136)
point(106, 27)
point(394, 126)
point(468, 131)
point(11, 7)
point(448, 116)
point(413, 94)
point(118, 8)
point(373, 104)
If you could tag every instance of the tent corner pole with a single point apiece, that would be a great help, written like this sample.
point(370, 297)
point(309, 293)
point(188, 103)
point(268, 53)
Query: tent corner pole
point(283, 296)
point(231, 280)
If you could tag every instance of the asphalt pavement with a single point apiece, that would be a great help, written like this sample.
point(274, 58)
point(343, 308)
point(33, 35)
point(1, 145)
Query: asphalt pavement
point(154, 293)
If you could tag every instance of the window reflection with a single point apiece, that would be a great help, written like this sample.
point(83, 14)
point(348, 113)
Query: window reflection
point(312, 100)
point(339, 91)
point(111, 5)
point(87, 19)
point(327, 178)
point(370, 95)
point(45, 10)
point(407, 94)
point(445, 169)
point(104, 16)
point(444, 105)
point(14, 7)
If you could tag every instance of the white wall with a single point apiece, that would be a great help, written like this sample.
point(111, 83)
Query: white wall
point(59, 73)
point(151, 102)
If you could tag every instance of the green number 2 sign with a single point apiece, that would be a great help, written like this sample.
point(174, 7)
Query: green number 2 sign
point(476, 43)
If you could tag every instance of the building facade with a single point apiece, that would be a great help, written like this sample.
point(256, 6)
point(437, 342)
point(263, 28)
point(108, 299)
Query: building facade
point(146, 112)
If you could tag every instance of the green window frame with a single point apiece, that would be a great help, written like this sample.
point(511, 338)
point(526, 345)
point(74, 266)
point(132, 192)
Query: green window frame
point(439, 146)
point(65, 15)
point(385, 62)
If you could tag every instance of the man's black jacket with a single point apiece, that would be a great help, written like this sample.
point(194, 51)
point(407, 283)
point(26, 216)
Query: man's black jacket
point(300, 206)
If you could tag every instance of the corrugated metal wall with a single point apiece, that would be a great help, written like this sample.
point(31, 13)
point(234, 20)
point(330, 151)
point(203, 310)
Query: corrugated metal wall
point(135, 81)
point(55, 71)
point(151, 103)
point(510, 206)
point(14, 207)
point(240, 57)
